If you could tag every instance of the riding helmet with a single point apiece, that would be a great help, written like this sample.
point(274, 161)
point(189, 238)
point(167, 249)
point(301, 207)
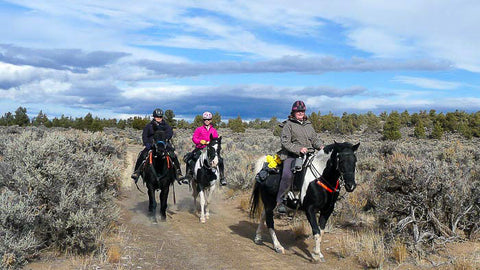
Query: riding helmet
point(298, 106)
point(158, 113)
point(207, 115)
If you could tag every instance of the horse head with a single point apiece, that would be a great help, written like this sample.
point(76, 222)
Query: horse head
point(213, 151)
point(344, 159)
point(160, 143)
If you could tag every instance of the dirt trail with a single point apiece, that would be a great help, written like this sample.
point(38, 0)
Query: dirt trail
point(224, 242)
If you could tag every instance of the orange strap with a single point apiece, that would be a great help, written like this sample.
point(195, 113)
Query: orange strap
point(319, 182)
point(150, 157)
point(168, 162)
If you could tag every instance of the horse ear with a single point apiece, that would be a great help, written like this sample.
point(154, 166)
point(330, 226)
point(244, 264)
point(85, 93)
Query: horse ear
point(219, 139)
point(211, 136)
point(328, 148)
point(355, 147)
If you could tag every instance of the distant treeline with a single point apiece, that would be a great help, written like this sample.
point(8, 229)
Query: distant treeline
point(426, 124)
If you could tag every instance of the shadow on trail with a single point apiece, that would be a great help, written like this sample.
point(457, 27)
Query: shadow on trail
point(247, 230)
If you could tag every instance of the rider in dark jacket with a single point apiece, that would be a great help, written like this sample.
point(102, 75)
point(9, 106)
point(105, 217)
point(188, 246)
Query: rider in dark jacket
point(157, 123)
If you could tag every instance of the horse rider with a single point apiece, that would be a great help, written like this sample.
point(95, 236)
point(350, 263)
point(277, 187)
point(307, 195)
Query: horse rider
point(297, 137)
point(157, 124)
point(200, 138)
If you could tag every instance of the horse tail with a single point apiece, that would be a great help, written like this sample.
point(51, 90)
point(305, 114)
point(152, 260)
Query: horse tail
point(255, 200)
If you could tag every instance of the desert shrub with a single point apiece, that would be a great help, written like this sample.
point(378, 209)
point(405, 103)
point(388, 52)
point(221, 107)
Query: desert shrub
point(426, 200)
point(56, 191)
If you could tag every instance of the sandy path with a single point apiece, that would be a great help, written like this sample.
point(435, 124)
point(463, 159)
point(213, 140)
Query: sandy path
point(224, 242)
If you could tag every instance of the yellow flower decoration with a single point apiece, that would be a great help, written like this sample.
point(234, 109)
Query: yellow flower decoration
point(273, 161)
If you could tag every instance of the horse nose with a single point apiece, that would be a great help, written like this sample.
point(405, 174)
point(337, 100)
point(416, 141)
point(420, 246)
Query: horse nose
point(350, 187)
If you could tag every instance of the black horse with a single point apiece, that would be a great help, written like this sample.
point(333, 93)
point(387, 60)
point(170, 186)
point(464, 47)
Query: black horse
point(158, 174)
point(206, 175)
point(318, 192)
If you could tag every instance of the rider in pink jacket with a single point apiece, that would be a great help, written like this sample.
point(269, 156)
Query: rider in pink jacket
point(202, 134)
point(201, 137)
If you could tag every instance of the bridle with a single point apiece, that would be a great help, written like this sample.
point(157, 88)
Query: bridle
point(209, 164)
point(319, 177)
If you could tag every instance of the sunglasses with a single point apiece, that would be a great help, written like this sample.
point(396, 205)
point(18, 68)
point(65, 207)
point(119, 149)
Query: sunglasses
point(207, 119)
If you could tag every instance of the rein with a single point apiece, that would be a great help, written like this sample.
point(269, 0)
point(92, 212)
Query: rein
point(321, 181)
point(152, 168)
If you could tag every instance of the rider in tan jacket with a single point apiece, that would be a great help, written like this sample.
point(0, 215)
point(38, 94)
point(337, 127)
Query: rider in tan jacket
point(298, 136)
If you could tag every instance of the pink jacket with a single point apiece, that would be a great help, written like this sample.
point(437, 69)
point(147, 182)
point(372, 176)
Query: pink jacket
point(201, 133)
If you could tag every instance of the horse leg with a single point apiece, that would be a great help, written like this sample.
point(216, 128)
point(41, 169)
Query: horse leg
point(317, 255)
point(269, 204)
point(152, 204)
point(163, 203)
point(209, 199)
point(258, 233)
point(207, 203)
point(202, 206)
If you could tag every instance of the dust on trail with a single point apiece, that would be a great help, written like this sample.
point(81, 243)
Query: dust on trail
point(225, 241)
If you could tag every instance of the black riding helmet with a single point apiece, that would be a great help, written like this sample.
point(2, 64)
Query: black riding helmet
point(157, 113)
point(298, 106)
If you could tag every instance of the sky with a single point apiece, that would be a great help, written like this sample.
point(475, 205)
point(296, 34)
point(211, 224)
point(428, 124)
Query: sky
point(253, 59)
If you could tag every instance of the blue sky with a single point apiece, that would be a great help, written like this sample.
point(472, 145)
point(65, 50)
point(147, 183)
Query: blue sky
point(249, 58)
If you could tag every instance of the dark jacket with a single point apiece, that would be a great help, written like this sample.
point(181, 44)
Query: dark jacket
point(296, 135)
point(149, 131)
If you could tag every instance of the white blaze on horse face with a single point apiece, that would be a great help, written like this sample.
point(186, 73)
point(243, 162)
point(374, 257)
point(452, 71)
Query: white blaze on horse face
point(319, 162)
point(215, 160)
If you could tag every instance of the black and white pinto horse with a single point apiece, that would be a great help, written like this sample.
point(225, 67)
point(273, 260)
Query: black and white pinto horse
point(318, 193)
point(205, 176)
point(158, 174)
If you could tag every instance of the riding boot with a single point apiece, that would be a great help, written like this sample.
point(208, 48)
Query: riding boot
point(138, 165)
point(281, 208)
point(221, 168)
point(177, 166)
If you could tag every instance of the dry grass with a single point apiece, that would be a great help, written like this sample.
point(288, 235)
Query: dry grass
point(230, 193)
point(347, 246)
point(399, 251)
point(372, 249)
point(245, 204)
point(114, 254)
point(8, 259)
point(300, 228)
point(464, 264)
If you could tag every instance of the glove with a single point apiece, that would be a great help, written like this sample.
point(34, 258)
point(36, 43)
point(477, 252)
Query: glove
point(203, 142)
point(148, 146)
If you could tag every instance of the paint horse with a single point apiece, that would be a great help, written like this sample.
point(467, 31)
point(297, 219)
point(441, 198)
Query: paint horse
point(318, 193)
point(206, 175)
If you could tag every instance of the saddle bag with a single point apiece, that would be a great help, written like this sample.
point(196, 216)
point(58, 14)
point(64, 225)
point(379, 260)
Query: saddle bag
point(266, 171)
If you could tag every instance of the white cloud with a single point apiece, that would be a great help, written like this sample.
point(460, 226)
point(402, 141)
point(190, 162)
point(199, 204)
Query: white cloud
point(428, 83)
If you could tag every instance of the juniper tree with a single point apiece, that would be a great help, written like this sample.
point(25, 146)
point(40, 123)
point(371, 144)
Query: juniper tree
point(21, 117)
point(419, 130)
point(391, 129)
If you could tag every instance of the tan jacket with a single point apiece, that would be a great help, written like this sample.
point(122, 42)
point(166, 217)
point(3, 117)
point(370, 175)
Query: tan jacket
point(296, 135)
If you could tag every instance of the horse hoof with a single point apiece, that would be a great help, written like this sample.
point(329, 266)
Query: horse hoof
point(316, 258)
point(203, 220)
point(207, 216)
point(280, 250)
point(163, 219)
point(258, 240)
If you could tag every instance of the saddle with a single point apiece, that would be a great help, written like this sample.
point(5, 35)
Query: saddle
point(270, 179)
